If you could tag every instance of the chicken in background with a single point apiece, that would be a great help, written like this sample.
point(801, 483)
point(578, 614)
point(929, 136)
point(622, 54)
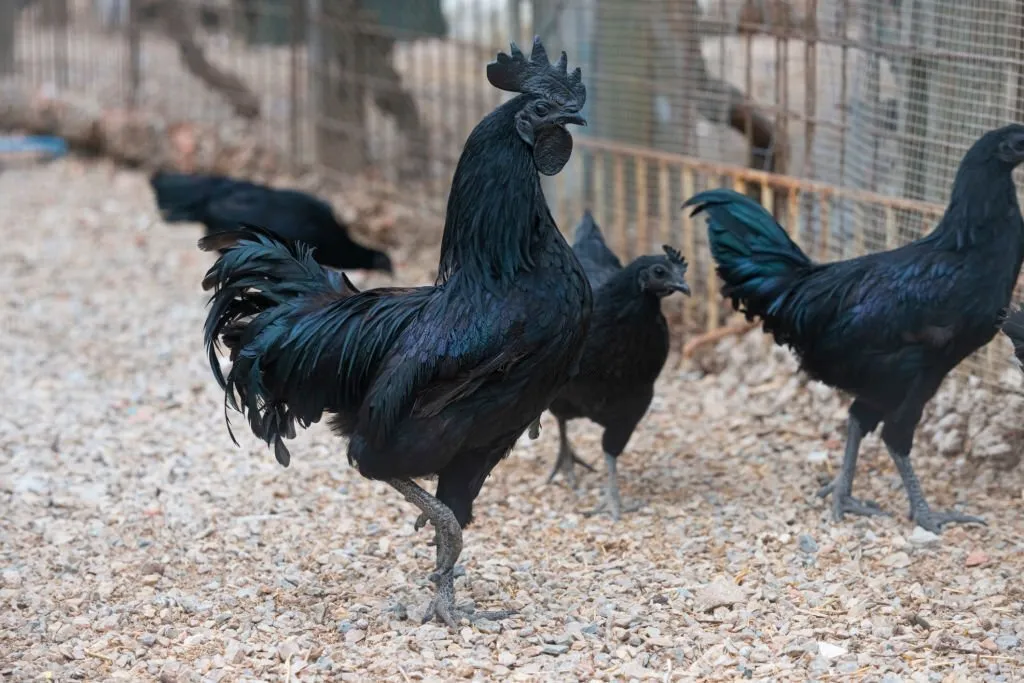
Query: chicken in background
point(886, 327)
point(223, 204)
point(436, 380)
point(626, 348)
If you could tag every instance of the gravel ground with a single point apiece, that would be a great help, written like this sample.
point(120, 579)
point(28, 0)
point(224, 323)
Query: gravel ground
point(138, 544)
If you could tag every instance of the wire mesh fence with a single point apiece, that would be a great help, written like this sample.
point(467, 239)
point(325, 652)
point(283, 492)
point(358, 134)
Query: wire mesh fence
point(845, 117)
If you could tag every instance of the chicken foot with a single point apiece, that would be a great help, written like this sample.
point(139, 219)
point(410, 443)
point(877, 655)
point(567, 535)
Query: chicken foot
point(567, 458)
point(612, 502)
point(920, 512)
point(841, 487)
point(448, 536)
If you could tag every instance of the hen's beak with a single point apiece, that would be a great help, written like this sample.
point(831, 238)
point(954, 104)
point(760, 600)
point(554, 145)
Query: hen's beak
point(573, 118)
point(681, 286)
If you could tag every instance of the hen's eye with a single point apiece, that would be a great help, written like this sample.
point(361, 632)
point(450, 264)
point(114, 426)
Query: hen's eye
point(659, 271)
point(542, 109)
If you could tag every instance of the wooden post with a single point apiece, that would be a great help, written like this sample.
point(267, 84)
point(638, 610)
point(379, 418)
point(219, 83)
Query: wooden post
point(623, 105)
point(8, 32)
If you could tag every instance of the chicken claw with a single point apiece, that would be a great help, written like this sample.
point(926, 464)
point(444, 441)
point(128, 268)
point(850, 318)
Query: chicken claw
point(565, 463)
point(612, 502)
point(920, 511)
point(442, 606)
point(566, 458)
point(848, 505)
point(934, 521)
point(421, 521)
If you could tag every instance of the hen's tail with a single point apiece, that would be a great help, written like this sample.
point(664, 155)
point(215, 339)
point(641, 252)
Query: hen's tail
point(1013, 326)
point(299, 336)
point(757, 260)
point(589, 242)
point(182, 197)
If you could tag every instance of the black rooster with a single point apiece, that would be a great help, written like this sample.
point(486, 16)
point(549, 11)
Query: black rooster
point(885, 327)
point(436, 380)
point(1013, 326)
point(223, 204)
point(625, 350)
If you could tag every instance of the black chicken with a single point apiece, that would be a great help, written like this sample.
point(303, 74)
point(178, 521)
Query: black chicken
point(223, 204)
point(1013, 326)
point(436, 380)
point(625, 349)
point(885, 327)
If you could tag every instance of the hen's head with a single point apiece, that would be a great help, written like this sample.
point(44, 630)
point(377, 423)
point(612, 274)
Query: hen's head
point(663, 275)
point(554, 98)
point(1003, 146)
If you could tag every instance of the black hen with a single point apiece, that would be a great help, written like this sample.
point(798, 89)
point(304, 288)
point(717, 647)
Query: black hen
point(625, 350)
point(885, 327)
point(223, 204)
point(437, 380)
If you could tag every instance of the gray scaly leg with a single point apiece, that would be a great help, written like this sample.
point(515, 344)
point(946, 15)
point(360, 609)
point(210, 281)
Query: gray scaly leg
point(566, 458)
point(920, 511)
point(841, 487)
point(612, 501)
point(448, 535)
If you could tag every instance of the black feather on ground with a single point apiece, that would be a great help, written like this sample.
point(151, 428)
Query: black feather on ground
point(625, 350)
point(223, 204)
point(437, 380)
point(886, 327)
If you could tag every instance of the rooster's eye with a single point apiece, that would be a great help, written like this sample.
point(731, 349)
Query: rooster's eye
point(659, 271)
point(542, 109)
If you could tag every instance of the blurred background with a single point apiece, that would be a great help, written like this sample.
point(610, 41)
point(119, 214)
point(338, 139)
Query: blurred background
point(846, 118)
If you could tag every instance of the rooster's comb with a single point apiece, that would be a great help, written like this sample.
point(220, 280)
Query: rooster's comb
point(537, 76)
point(675, 256)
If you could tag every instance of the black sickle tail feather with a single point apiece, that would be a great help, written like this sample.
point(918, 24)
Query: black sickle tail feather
point(181, 197)
point(268, 308)
point(1013, 326)
point(757, 261)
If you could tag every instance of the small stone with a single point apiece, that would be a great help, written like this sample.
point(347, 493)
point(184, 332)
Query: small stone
point(555, 650)
point(891, 678)
point(760, 655)
point(152, 568)
point(976, 558)
point(194, 639)
point(882, 631)
point(719, 593)
point(147, 639)
point(233, 652)
point(847, 667)
point(289, 648)
point(10, 578)
point(64, 633)
point(820, 664)
point(817, 457)
point(354, 636)
point(923, 537)
point(989, 645)
point(807, 544)
point(897, 560)
point(830, 651)
point(150, 579)
point(1008, 642)
point(506, 659)
point(487, 626)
